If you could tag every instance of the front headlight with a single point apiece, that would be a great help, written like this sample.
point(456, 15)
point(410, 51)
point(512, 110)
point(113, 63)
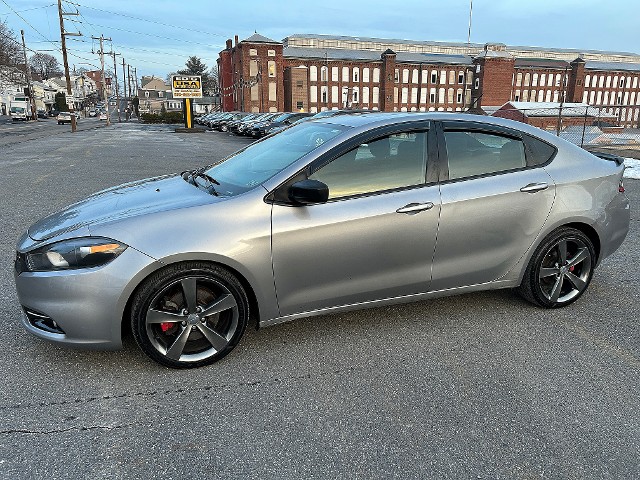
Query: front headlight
point(71, 254)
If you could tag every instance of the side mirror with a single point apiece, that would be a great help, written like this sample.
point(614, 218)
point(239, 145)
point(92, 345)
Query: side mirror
point(308, 192)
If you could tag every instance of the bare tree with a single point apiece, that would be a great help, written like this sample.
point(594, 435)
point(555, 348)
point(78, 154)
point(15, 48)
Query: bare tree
point(10, 48)
point(45, 65)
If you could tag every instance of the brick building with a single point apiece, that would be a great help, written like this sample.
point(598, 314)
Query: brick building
point(320, 72)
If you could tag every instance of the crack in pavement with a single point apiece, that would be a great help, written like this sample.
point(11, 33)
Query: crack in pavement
point(80, 429)
point(153, 393)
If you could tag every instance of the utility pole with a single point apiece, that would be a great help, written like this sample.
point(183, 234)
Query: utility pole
point(135, 79)
point(104, 83)
point(129, 79)
point(115, 74)
point(28, 72)
point(63, 43)
point(124, 87)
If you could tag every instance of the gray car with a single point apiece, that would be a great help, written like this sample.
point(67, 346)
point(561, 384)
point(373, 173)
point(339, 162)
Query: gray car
point(347, 212)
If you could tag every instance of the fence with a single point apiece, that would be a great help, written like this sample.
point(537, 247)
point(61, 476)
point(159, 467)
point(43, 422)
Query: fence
point(601, 127)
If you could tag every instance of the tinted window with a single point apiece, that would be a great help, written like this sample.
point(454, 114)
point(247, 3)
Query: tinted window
point(260, 161)
point(475, 153)
point(385, 163)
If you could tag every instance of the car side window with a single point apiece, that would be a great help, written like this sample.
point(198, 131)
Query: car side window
point(475, 153)
point(386, 163)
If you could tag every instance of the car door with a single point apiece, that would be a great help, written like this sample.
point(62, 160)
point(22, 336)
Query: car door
point(496, 197)
point(375, 236)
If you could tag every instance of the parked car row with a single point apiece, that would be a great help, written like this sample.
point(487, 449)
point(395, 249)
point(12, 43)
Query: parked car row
point(258, 125)
point(254, 125)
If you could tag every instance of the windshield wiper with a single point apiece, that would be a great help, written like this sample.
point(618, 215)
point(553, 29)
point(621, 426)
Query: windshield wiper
point(190, 176)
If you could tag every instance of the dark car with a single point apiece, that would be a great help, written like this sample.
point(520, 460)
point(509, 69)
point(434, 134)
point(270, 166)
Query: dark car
point(275, 125)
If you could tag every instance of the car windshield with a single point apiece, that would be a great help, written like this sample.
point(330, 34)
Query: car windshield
point(260, 161)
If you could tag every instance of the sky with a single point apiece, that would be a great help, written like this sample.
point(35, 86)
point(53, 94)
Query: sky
point(156, 37)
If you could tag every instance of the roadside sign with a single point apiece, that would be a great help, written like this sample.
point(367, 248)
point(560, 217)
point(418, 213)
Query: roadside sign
point(186, 86)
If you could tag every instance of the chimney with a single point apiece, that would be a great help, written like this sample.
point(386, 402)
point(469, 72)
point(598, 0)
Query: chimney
point(236, 37)
point(229, 44)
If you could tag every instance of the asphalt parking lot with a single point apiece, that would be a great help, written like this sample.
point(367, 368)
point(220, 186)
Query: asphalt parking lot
point(483, 385)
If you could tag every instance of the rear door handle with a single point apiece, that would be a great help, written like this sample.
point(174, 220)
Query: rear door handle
point(415, 208)
point(534, 187)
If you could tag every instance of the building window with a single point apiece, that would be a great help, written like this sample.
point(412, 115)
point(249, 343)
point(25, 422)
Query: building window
point(434, 76)
point(622, 82)
point(527, 79)
point(146, 94)
point(461, 77)
point(443, 77)
point(459, 96)
point(452, 77)
point(313, 94)
point(272, 68)
point(324, 74)
point(516, 97)
point(365, 95)
point(477, 84)
point(414, 95)
point(334, 94)
point(405, 94)
point(313, 73)
point(543, 78)
point(160, 94)
point(253, 68)
point(356, 95)
point(396, 76)
point(365, 75)
point(376, 75)
point(356, 74)
point(376, 96)
point(253, 52)
point(441, 94)
point(300, 105)
point(534, 80)
point(334, 74)
point(271, 53)
point(432, 95)
point(405, 75)
point(345, 74)
point(414, 76)
point(272, 91)
point(324, 95)
point(299, 83)
point(450, 93)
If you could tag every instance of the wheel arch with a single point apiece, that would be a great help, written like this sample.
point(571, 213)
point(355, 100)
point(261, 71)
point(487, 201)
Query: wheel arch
point(590, 232)
point(254, 307)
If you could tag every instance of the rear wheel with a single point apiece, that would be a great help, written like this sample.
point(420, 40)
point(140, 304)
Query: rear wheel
point(189, 315)
point(560, 270)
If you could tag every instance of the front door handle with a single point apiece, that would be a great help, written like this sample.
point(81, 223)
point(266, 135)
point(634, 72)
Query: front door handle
point(534, 187)
point(415, 208)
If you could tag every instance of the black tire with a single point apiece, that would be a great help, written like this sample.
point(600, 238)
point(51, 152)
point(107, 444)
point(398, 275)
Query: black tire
point(189, 315)
point(560, 270)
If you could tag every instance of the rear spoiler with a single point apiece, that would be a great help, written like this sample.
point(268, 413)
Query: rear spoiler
point(610, 156)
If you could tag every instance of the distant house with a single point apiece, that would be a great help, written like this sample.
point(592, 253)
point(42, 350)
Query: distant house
point(153, 96)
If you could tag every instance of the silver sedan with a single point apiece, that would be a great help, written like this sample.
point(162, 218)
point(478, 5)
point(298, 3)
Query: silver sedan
point(346, 212)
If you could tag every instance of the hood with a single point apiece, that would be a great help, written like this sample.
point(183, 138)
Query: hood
point(129, 200)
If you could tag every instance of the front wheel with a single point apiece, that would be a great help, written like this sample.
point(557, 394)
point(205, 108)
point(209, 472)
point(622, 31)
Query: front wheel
point(189, 315)
point(560, 269)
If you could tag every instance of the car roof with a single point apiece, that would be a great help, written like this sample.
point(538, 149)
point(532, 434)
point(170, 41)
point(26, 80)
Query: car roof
point(370, 120)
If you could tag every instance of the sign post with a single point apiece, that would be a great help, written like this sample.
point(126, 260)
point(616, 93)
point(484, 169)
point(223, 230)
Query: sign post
point(187, 87)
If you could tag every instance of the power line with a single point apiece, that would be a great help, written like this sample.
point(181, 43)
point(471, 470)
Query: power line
point(25, 21)
point(142, 19)
point(29, 9)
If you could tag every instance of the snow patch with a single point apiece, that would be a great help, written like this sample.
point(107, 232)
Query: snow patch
point(632, 168)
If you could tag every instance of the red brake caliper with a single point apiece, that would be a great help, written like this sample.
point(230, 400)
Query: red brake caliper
point(166, 326)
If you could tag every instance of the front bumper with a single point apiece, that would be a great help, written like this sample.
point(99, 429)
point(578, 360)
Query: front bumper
point(86, 304)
